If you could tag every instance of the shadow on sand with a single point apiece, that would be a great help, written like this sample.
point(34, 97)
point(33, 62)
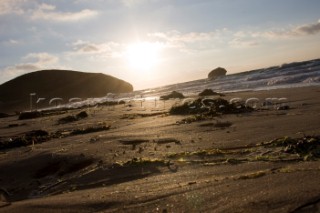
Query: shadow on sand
point(45, 174)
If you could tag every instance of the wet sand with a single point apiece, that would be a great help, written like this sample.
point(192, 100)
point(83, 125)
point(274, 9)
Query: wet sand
point(148, 161)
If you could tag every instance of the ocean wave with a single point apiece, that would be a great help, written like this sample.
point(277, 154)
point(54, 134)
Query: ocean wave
point(312, 80)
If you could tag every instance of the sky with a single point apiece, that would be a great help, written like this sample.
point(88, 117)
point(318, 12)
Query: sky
point(152, 43)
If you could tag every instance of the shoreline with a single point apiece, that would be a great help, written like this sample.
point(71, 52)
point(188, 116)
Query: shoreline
point(97, 101)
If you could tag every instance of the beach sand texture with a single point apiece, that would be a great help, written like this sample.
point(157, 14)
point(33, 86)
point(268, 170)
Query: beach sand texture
point(146, 160)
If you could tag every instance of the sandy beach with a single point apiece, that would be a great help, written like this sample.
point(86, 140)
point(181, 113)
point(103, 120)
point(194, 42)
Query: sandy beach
point(143, 159)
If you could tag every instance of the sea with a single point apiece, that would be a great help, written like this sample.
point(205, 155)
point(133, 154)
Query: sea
point(296, 74)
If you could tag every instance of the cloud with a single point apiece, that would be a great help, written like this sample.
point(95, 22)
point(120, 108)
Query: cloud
point(42, 59)
point(176, 36)
point(243, 43)
point(186, 42)
point(293, 32)
point(48, 12)
point(308, 29)
point(193, 42)
point(12, 42)
point(126, 3)
point(10, 6)
point(86, 47)
point(30, 62)
point(103, 50)
point(131, 3)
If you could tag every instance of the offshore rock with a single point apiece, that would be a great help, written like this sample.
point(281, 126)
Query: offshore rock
point(217, 73)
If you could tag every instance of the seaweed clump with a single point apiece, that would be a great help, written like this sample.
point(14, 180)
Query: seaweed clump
point(90, 130)
point(138, 162)
point(31, 137)
point(30, 115)
point(207, 107)
point(308, 146)
point(73, 118)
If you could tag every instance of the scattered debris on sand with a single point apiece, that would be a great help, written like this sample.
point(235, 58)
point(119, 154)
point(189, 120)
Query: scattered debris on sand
point(81, 131)
point(307, 147)
point(29, 115)
point(208, 106)
point(217, 124)
point(167, 140)
point(73, 118)
point(29, 138)
point(278, 150)
point(39, 136)
point(142, 162)
point(142, 115)
point(15, 125)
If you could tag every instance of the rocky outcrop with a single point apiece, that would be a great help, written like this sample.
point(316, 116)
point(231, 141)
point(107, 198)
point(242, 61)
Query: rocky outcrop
point(65, 84)
point(209, 92)
point(173, 94)
point(216, 73)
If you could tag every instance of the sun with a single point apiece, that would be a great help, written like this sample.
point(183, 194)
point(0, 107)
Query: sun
point(143, 56)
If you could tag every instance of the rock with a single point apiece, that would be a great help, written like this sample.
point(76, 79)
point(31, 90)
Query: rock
point(65, 84)
point(208, 92)
point(173, 94)
point(216, 73)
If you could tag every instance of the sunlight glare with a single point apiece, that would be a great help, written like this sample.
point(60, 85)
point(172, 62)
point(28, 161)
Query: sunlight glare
point(143, 56)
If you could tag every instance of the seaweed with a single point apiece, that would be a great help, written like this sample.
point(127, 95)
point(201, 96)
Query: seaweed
point(142, 162)
point(208, 107)
point(306, 146)
point(193, 118)
point(253, 175)
point(89, 130)
point(29, 138)
point(142, 115)
point(39, 136)
point(133, 141)
point(218, 124)
point(205, 109)
point(30, 115)
point(73, 118)
point(166, 140)
point(200, 153)
point(16, 125)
